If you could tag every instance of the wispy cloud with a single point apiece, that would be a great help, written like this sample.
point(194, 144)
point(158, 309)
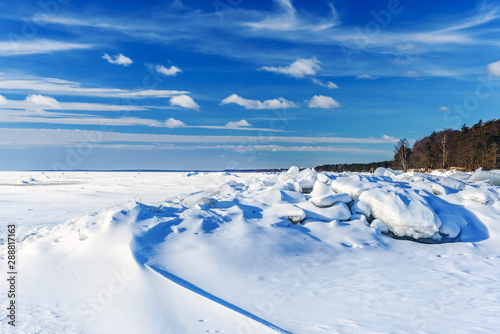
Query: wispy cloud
point(41, 137)
point(323, 102)
point(63, 87)
point(256, 104)
point(411, 74)
point(298, 69)
point(250, 148)
point(365, 77)
point(40, 102)
point(118, 59)
point(285, 18)
point(327, 84)
point(15, 48)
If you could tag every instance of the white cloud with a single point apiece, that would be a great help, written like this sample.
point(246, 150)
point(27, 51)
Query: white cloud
point(3, 100)
point(238, 124)
point(327, 84)
point(43, 101)
point(13, 48)
point(365, 77)
point(390, 139)
point(64, 87)
point(184, 101)
point(256, 104)
point(494, 68)
point(298, 69)
point(172, 70)
point(323, 102)
point(444, 109)
point(119, 59)
point(174, 123)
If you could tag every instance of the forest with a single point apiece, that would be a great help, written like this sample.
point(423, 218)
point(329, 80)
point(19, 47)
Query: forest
point(466, 149)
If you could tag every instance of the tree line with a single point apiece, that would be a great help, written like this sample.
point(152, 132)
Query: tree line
point(468, 148)
point(355, 167)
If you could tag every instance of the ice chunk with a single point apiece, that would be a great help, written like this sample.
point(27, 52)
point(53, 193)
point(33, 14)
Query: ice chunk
point(290, 212)
point(329, 200)
point(339, 211)
point(293, 172)
point(323, 178)
point(493, 176)
point(354, 185)
point(304, 185)
point(379, 226)
point(361, 208)
point(481, 195)
point(404, 212)
point(321, 189)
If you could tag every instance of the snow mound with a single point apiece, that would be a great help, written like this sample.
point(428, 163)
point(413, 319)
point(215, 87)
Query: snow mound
point(405, 213)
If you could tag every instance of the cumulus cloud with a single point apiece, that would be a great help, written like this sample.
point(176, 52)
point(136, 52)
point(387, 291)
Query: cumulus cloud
point(174, 123)
point(43, 101)
point(238, 124)
point(256, 104)
point(184, 101)
point(327, 84)
point(298, 69)
point(172, 70)
point(494, 68)
point(444, 109)
point(323, 102)
point(3, 100)
point(119, 59)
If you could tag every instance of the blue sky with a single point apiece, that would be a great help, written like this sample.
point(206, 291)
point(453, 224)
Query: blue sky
point(237, 84)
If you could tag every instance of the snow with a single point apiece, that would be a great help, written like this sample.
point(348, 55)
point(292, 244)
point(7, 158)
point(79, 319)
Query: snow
point(253, 252)
point(404, 212)
point(492, 176)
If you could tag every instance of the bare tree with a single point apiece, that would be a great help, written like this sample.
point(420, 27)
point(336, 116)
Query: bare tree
point(402, 152)
point(443, 142)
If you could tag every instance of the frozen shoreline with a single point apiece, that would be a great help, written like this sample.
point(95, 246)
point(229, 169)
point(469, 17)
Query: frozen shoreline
point(224, 252)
